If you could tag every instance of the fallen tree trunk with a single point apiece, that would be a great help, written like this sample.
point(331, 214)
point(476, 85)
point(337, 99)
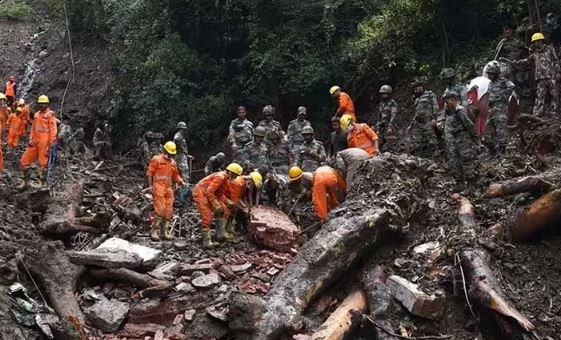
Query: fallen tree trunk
point(48, 264)
point(543, 212)
point(62, 214)
point(531, 184)
point(340, 322)
point(480, 278)
point(151, 286)
point(322, 260)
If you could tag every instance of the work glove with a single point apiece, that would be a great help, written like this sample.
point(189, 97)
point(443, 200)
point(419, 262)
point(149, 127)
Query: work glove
point(217, 207)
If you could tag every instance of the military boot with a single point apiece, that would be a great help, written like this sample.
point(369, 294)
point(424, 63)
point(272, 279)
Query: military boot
point(167, 230)
point(24, 178)
point(155, 232)
point(231, 232)
point(41, 178)
point(207, 240)
point(221, 234)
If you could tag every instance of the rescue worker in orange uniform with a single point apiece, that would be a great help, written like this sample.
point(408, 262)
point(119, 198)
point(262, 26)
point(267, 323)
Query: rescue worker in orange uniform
point(43, 135)
point(211, 200)
point(346, 106)
point(326, 185)
point(162, 170)
point(241, 192)
point(11, 90)
point(4, 112)
point(24, 117)
point(14, 123)
point(363, 137)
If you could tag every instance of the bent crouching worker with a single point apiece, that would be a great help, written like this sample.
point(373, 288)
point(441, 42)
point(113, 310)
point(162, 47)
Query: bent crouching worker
point(161, 172)
point(210, 196)
point(43, 135)
point(215, 163)
point(348, 161)
point(241, 191)
point(326, 186)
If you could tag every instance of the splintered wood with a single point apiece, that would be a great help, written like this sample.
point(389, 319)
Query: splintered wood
point(273, 228)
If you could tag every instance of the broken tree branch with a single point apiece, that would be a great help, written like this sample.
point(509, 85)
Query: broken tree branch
point(542, 213)
point(531, 184)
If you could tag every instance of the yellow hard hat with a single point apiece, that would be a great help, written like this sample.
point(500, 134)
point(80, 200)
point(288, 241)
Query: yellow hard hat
point(21, 102)
point(2, 96)
point(170, 148)
point(235, 168)
point(257, 179)
point(537, 36)
point(334, 89)
point(294, 174)
point(43, 100)
point(345, 121)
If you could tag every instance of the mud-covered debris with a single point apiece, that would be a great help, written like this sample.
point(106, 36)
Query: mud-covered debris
point(189, 314)
point(186, 269)
point(106, 257)
point(185, 288)
point(241, 268)
point(165, 271)
point(206, 281)
point(135, 330)
point(150, 256)
point(107, 315)
point(416, 301)
point(178, 319)
point(218, 312)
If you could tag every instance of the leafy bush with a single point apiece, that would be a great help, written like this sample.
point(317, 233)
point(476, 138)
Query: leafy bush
point(17, 11)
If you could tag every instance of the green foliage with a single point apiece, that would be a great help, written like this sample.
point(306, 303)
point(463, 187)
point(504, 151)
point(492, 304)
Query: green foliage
point(17, 11)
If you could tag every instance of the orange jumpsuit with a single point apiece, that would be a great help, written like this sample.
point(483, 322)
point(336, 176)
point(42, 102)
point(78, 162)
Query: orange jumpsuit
point(346, 106)
point(43, 135)
point(363, 137)
point(4, 113)
point(24, 117)
point(14, 122)
point(236, 189)
point(163, 170)
point(211, 189)
point(326, 184)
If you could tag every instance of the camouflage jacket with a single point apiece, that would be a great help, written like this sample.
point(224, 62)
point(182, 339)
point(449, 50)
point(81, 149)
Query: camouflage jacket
point(500, 91)
point(241, 132)
point(457, 121)
point(294, 132)
point(256, 156)
point(426, 106)
point(101, 136)
point(387, 111)
point(310, 156)
point(179, 140)
point(269, 126)
point(546, 63)
point(512, 49)
point(460, 89)
point(213, 165)
point(280, 154)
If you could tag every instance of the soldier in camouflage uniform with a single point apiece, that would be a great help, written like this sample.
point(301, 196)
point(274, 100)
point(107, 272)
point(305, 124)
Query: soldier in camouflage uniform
point(182, 156)
point(511, 48)
point(452, 85)
point(269, 124)
point(77, 146)
point(280, 153)
point(215, 163)
point(102, 142)
point(311, 154)
point(547, 74)
point(241, 133)
point(500, 90)
point(384, 120)
point(150, 145)
point(256, 153)
point(461, 145)
point(295, 138)
point(421, 131)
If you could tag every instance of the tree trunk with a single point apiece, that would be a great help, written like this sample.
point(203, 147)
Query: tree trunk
point(321, 261)
point(480, 278)
point(531, 184)
point(340, 322)
point(61, 216)
point(542, 213)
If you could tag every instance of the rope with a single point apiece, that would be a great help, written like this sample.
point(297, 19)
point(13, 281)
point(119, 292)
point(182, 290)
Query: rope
point(71, 80)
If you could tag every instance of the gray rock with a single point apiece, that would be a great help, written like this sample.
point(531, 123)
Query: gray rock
point(107, 315)
point(206, 281)
point(108, 258)
point(185, 287)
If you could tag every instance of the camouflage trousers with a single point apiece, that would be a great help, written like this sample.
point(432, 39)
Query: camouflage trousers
point(183, 166)
point(387, 141)
point(546, 88)
point(462, 155)
point(421, 138)
point(496, 134)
